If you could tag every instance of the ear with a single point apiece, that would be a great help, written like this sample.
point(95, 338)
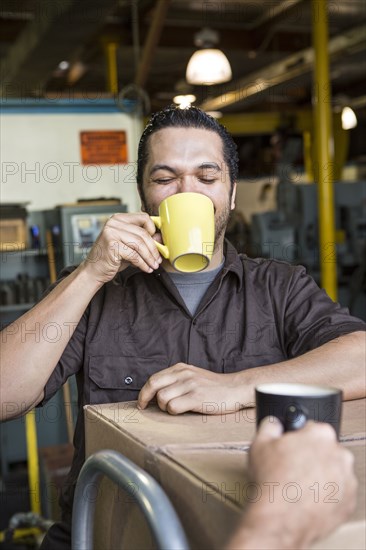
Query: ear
point(233, 197)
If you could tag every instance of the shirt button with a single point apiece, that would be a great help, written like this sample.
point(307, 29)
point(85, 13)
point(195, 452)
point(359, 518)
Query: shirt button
point(128, 380)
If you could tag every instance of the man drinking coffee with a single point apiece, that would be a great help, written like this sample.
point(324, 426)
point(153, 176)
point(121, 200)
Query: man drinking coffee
point(136, 328)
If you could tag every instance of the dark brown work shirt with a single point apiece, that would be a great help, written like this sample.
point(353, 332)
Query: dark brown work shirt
point(255, 313)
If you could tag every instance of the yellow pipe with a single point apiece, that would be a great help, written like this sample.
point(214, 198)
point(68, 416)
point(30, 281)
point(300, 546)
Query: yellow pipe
point(112, 73)
point(323, 174)
point(308, 161)
point(22, 533)
point(33, 466)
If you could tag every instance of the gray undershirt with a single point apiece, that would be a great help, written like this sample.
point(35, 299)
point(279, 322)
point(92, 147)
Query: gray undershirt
point(192, 286)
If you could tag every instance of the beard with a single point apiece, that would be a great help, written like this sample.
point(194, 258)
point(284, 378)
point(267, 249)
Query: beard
point(221, 220)
point(149, 209)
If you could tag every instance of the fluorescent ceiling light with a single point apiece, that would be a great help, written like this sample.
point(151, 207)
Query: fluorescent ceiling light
point(214, 114)
point(349, 119)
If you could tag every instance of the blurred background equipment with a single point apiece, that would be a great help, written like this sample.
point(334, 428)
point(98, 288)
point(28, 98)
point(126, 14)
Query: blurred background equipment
point(13, 227)
point(290, 233)
point(74, 228)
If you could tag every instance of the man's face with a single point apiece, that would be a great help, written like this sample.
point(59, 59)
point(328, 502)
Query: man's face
point(185, 160)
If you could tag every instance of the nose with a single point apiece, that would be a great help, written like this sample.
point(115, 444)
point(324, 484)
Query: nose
point(187, 184)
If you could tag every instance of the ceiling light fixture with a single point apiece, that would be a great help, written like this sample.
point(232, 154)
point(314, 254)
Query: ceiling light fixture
point(63, 65)
point(208, 65)
point(349, 119)
point(184, 101)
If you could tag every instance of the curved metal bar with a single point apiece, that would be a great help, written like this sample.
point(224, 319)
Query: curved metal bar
point(154, 503)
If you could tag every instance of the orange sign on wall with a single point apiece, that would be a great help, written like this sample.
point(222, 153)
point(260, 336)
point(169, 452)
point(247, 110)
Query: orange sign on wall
point(103, 147)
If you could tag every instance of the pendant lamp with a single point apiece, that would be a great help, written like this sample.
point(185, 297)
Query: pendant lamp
point(208, 65)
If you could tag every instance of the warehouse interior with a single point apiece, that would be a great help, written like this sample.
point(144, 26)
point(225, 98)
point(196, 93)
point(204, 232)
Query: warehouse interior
point(79, 82)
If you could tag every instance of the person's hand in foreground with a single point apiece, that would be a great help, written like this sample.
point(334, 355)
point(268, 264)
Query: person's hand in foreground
point(306, 484)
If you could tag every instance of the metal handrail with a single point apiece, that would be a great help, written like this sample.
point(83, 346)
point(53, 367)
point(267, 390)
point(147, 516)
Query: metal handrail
point(154, 503)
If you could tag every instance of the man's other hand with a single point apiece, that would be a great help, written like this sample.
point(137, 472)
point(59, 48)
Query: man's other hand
point(182, 388)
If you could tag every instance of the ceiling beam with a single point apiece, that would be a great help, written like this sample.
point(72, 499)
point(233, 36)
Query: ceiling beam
point(240, 124)
point(278, 12)
point(29, 39)
point(26, 69)
point(151, 42)
point(230, 39)
point(235, 15)
point(358, 102)
point(283, 71)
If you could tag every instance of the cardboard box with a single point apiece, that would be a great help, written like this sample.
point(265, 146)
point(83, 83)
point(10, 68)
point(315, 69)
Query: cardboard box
point(200, 461)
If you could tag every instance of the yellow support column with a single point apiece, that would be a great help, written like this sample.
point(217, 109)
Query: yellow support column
point(308, 161)
point(112, 72)
point(323, 173)
point(33, 466)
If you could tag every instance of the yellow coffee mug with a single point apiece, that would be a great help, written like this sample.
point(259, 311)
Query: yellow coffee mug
point(187, 224)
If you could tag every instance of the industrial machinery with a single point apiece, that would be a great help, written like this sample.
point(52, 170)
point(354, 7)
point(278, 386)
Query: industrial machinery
point(75, 227)
point(291, 232)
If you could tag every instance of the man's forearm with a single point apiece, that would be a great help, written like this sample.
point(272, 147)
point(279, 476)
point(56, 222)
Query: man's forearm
point(339, 363)
point(182, 387)
point(33, 344)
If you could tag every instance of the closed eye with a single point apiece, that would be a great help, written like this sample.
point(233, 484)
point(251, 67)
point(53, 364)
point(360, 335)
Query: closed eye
point(163, 181)
point(207, 180)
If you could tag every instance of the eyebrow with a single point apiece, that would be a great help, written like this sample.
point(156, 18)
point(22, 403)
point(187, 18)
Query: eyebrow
point(203, 166)
point(157, 167)
point(210, 165)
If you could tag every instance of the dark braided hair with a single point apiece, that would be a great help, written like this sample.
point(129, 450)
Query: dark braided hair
point(192, 117)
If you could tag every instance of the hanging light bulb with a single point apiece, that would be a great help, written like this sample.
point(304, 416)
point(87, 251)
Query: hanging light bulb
point(209, 65)
point(63, 65)
point(184, 101)
point(349, 119)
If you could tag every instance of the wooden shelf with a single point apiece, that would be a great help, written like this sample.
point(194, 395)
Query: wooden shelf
point(26, 252)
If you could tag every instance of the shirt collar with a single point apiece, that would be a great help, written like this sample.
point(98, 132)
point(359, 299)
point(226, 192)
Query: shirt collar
point(232, 263)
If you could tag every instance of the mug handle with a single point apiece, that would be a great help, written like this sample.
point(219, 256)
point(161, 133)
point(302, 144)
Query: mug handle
point(295, 418)
point(161, 247)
